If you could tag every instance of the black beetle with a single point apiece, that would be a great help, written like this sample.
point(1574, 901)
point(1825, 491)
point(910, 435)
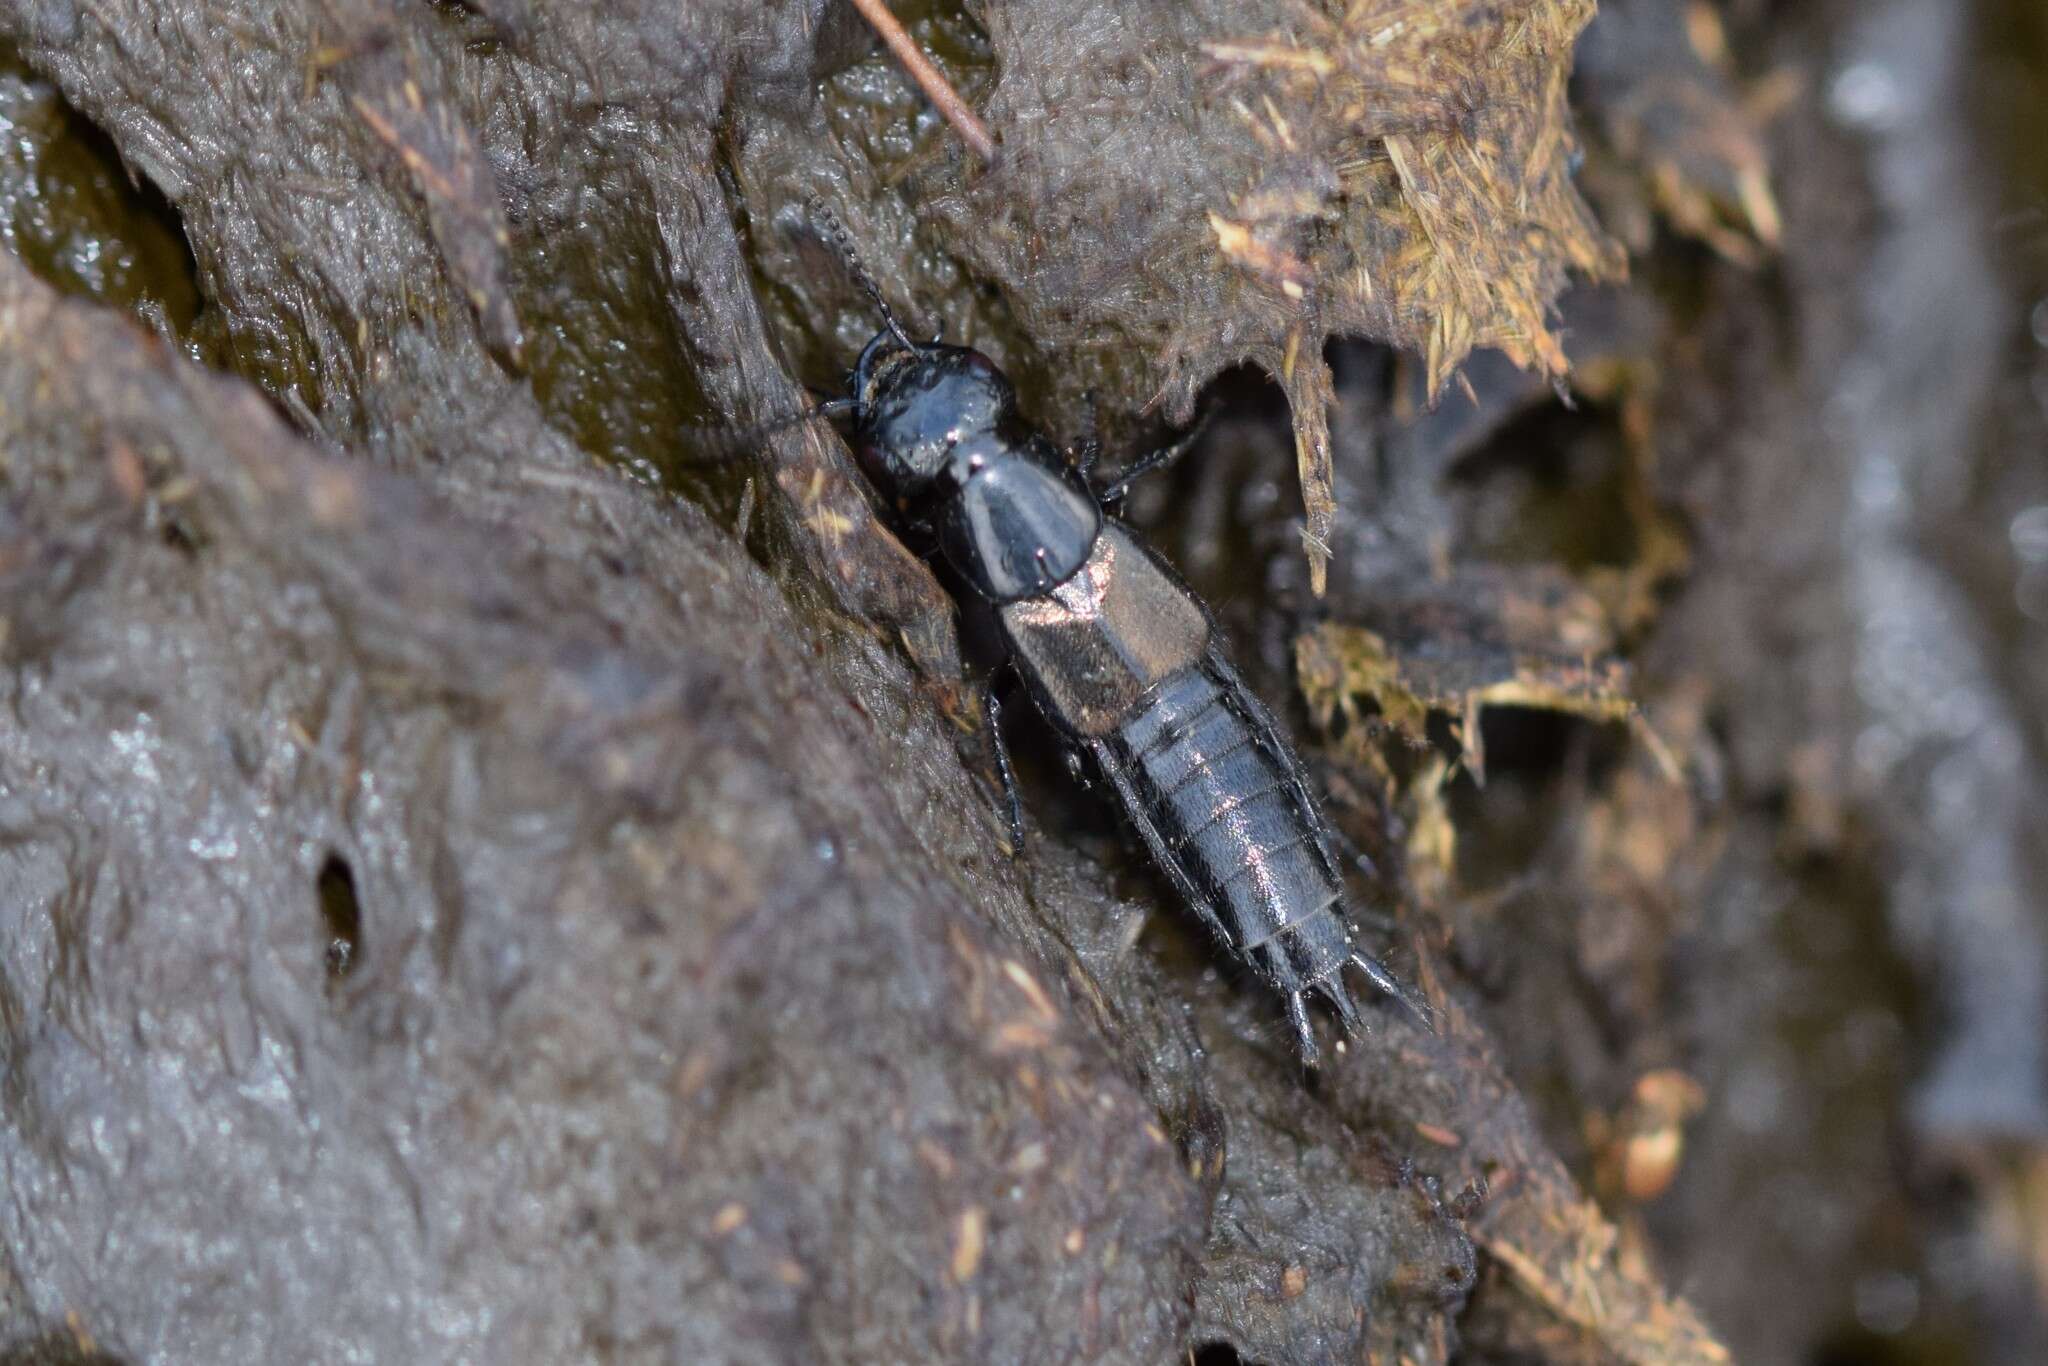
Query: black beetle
point(1121, 656)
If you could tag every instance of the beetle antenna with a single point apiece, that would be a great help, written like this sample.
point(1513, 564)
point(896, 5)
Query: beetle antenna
point(720, 444)
point(841, 241)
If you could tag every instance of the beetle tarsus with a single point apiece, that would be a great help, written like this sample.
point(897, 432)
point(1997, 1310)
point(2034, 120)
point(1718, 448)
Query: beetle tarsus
point(992, 718)
point(1087, 447)
point(1085, 453)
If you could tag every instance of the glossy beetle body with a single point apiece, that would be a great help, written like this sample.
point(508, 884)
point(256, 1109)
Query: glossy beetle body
point(1120, 656)
point(937, 432)
point(1122, 659)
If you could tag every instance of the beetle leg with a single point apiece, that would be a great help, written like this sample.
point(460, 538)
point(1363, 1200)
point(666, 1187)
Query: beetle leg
point(1085, 452)
point(1086, 449)
point(1112, 495)
point(992, 717)
point(1376, 973)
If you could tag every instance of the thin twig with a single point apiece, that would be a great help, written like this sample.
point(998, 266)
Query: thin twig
point(929, 79)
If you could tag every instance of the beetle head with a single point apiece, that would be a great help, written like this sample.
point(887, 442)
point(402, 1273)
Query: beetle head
point(926, 415)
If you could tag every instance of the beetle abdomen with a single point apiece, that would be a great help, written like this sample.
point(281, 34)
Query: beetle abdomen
point(1220, 800)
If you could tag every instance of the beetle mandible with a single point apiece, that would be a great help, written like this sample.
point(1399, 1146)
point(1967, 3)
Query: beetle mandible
point(1120, 656)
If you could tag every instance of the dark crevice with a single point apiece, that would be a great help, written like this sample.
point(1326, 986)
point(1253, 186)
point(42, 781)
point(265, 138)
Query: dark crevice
point(81, 216)
point(58, 1349)
point(1859, 1346)
point(341, 915)
point(1531, 743)
point(1552, 485)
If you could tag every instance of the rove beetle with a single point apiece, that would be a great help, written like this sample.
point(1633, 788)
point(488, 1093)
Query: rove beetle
point(1122, 658)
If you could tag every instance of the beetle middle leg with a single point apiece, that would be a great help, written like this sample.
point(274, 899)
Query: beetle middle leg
point(992, 718)
point(1112, 494)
